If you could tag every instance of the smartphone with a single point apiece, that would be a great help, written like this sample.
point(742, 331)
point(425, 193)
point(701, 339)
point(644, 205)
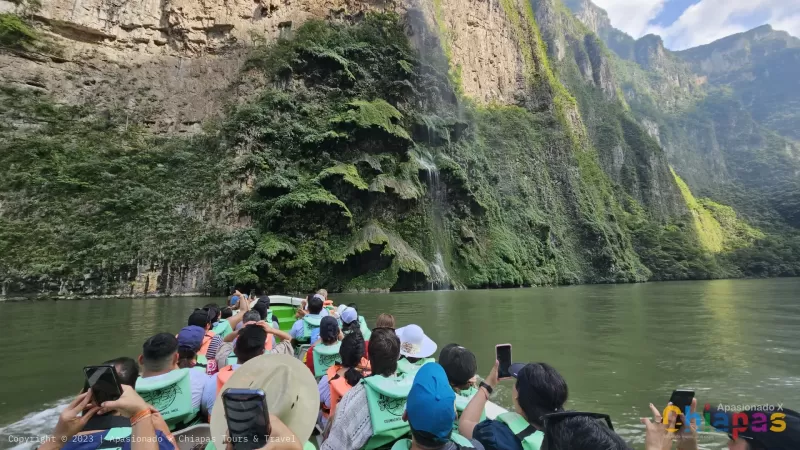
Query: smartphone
point(503, 354)
point(681, 398)
point(103, 382)
point(248, 418)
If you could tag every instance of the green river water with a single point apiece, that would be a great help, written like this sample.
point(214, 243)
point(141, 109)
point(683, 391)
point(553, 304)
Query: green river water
point(618, 346)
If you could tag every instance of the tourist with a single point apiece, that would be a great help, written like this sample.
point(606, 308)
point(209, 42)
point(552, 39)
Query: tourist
point(254, 318)
point(351, 427)
point(339, 378)
point(262, 306)
point(159, 361)
point(83, 425)
point(461, 368)
point(203, 318)
point(362, 322)
point(349, 317)
point(221, 327)
point(415, 347)
point(234, 301)
point(430, 414)
point(303, 309)
point(291, 397)
point(249, 344)
point(581, 431)
point(306, 329)
point(325, 352)
point(190, 339)
point(226, 312)
point(385, 321)
point(539, 389)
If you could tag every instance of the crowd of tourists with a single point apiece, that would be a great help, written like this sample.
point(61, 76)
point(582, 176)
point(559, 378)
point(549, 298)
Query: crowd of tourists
point(360, 388)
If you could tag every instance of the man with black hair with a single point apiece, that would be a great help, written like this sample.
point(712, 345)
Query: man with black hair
point(249, 344)
point(306, 329)
point(583, 433)
point(351, 427)
point(539, 390)
point(127, 370)
point(160, 357)
point(461, 367)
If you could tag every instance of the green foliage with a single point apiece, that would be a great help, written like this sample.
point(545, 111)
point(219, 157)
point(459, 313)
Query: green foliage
point(349, 174)
point(15, 33)
point(377, 113)
point(85, 196)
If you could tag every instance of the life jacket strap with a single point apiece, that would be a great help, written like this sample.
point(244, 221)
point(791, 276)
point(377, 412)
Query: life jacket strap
point(526, 432)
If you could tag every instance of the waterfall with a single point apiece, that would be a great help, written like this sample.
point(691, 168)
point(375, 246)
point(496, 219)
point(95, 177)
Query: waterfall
point(440, 279)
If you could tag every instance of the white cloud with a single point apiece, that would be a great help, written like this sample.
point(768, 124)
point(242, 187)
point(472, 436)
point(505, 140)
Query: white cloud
point(705, 21)
point(632, 16)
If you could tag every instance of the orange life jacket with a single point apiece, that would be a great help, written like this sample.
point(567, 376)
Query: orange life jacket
point(206, 341)
point(222, 376)
point(339, 387)
point(268, 344)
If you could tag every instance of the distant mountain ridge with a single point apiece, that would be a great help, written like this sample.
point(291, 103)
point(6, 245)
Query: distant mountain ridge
point(762, 67)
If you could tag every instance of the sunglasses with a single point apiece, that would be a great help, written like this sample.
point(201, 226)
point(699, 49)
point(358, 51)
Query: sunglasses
point(551, 420)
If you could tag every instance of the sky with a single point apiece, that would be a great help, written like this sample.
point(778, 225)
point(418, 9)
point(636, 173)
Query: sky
point(689, 23)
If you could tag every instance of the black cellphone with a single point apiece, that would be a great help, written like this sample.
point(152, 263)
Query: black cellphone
point(248, 418)
point(503, 355)
point(103, 382)
point(682, 399)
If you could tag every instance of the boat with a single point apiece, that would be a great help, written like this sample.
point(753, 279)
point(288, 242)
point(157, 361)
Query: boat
point(283, 307)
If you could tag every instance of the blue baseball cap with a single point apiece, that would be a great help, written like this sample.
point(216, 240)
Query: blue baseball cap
point(431, 402)
point(191, 337)
point(349, 315)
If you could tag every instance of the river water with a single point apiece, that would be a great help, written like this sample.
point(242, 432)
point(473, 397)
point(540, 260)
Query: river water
point(619, 347)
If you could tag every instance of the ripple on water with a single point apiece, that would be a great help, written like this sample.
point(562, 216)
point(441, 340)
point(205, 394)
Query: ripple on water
point(26, 433)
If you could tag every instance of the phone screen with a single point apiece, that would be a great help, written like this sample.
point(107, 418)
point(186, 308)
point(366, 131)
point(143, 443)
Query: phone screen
point(503, 353)
point(103, 382)
point(681, 398)
point(248, 418)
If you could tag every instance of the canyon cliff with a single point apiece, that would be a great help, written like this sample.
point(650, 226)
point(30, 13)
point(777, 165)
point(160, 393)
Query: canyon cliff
point(188, 147)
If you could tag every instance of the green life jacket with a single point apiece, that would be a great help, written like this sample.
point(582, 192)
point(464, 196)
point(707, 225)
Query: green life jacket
point(462, 400)
point(459, 440)
point(202, 361)
point(365, 331)
point(309, 323)
point(269, 317)
point(407, 367)
point(171, 394)
point(324, 357)
point(115, 438)
point(530, 437)
point(223, 328)
point(386, 399)
point(232, 359)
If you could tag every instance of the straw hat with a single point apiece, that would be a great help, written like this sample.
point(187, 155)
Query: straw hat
point(291, 391)
point(414, 343)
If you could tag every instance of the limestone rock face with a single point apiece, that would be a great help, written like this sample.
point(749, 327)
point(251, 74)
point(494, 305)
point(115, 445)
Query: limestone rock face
point(171, 64)
point(483, 46)
point(168, 63)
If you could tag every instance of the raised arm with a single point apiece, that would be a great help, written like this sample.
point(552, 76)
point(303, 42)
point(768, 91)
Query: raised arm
point(472, 413)
point(244, 306)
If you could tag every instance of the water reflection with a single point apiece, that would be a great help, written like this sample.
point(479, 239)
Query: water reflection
point(619, 347)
